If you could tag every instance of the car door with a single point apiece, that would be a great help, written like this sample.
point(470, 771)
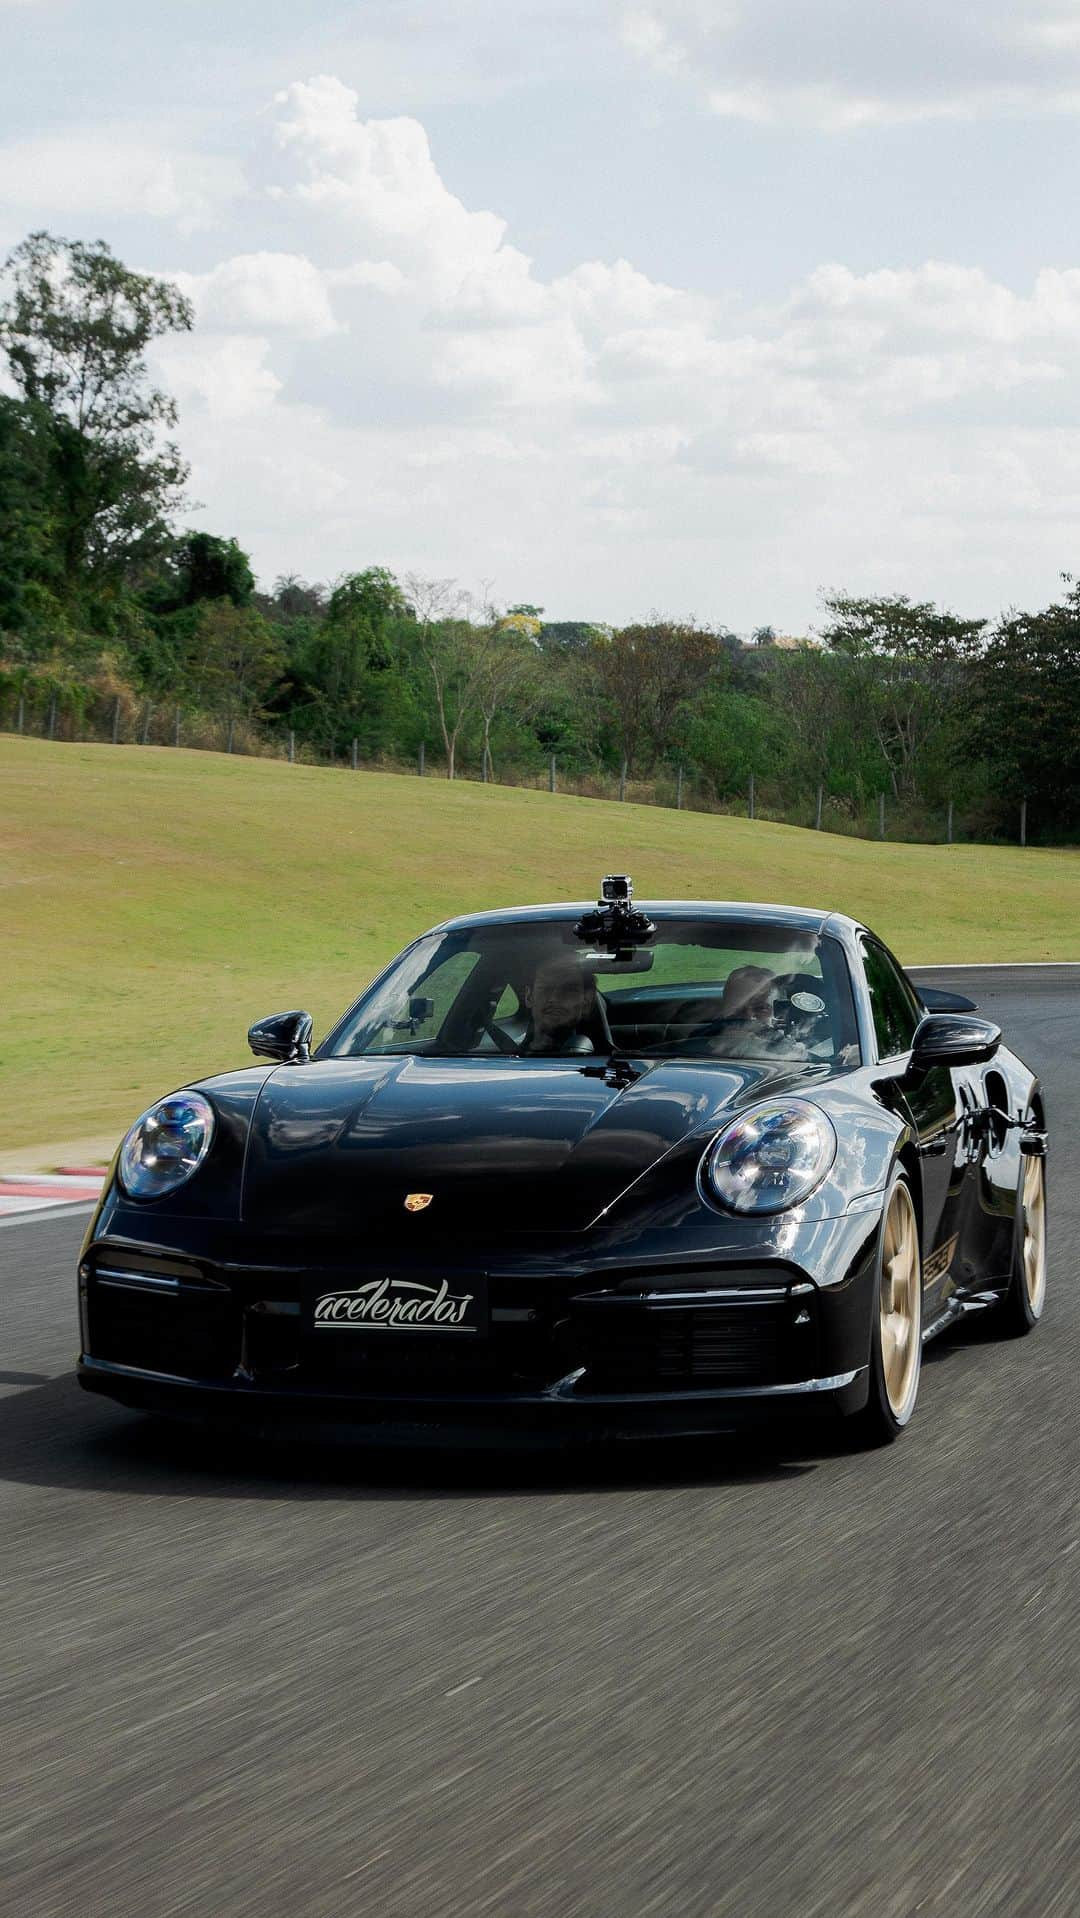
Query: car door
point(930, 1102)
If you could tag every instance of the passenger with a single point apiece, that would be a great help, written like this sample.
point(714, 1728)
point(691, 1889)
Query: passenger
point(750, 1009)
point(561, 1001)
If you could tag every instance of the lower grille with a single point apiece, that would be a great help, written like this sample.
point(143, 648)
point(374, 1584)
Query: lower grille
point(725, 1345)
point(190, 1332)
point(413, 1363)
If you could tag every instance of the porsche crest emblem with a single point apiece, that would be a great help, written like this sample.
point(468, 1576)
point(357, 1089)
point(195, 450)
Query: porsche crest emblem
point(418, 1201)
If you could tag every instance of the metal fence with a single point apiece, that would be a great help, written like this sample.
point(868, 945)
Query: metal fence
point(122, 722)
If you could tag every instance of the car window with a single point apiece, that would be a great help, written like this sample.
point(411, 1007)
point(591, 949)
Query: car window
point(894, 1006)
point(407, 1013)
point(694, 989)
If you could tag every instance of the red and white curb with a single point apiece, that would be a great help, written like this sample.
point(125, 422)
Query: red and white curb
point(38, 1191)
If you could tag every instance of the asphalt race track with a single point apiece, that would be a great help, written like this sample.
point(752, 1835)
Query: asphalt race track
point(737, 1679)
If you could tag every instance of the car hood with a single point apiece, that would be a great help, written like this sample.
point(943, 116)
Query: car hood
point(503, 1146)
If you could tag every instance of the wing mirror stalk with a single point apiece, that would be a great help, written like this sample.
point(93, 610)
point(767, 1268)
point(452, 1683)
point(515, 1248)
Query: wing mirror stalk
point(953, 1039)
point(285, 1036)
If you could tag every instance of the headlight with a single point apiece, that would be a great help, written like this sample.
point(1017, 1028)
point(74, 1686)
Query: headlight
point(166, 1145)
point(770, 1158)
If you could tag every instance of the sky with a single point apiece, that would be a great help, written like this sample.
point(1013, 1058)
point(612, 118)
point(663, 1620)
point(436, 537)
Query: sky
point(701, 307)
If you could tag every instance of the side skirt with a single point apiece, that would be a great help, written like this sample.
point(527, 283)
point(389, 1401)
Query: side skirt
point(961, 1308)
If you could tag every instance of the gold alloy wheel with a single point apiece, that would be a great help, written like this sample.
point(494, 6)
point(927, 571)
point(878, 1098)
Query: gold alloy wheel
point(1034, 1227)
point(901, 1303)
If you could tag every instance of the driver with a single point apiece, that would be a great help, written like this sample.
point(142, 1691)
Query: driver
point(561, 999)
point(751, 1010)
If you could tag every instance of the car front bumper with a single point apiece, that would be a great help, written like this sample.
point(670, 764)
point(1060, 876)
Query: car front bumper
point(490, 1417)
point(667, 1348)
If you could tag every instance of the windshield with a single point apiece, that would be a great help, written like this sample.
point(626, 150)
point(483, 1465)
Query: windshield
point(697, 988)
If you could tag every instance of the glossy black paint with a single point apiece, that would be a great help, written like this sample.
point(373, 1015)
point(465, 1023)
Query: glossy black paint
point(936, 999)
point(619, 1292)
point(285, 1036)
point(954, 1039)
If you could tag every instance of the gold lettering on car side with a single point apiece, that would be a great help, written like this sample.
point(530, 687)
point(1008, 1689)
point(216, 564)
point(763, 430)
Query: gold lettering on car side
point(937, 1265)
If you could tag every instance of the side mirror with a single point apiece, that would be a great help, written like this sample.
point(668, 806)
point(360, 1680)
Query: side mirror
point(285, 1036)
point(936, 999)
point(953, 1039)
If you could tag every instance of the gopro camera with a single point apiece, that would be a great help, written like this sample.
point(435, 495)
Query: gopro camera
point(614, 923)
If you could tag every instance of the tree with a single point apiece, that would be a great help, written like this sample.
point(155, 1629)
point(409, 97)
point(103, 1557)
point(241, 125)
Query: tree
point(522, 620)
point(27, 557)
point(234, 660)
point(813, 691)
point(508, 675)
point(907, 670)
point(212, 568)
point(75, 324)
point(368, 603)
point(294, 598)
point(571, 635)
point(347, 675)
point(1024, 708)
point(647, 674)
point(454, 653)
point(731, 734)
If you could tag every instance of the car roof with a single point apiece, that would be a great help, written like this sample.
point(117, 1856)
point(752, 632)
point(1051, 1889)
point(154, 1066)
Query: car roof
point(803, 918)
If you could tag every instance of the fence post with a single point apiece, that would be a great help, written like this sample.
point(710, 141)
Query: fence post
point(292, 745)
point(622, 781)
point(881, 815)
point(948, 826)
point(147, 710)
point(232, 729)
point(551, 773)
point(1023, 820)
point(422, 757)
point(52, 717)
point(750, 813)
point(817, 815)
point(115, 721)
point(22, 712)
point(355, 754)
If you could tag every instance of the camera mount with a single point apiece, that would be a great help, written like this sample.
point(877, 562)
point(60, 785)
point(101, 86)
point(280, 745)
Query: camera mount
point(615, 924)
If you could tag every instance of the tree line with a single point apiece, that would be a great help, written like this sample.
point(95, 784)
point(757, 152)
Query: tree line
point(112, 611)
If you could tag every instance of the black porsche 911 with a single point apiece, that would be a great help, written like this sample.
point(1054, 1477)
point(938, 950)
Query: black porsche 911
point(584, 1169)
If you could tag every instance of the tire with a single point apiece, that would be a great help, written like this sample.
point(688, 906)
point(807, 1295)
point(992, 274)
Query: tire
point(896, 1321)
point(1022, 1307)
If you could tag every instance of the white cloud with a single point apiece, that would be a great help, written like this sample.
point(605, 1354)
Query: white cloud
point(106, 172)
point(842, 65)
point(220, 378)
point(376, 181)
point(405, 386)
point(277, 290)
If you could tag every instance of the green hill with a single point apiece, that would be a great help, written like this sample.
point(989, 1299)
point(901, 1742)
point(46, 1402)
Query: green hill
point(155, 902)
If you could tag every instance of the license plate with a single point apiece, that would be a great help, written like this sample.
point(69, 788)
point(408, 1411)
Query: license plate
point(456, 1307)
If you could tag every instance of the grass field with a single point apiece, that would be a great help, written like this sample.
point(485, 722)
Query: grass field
point(155, 902)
